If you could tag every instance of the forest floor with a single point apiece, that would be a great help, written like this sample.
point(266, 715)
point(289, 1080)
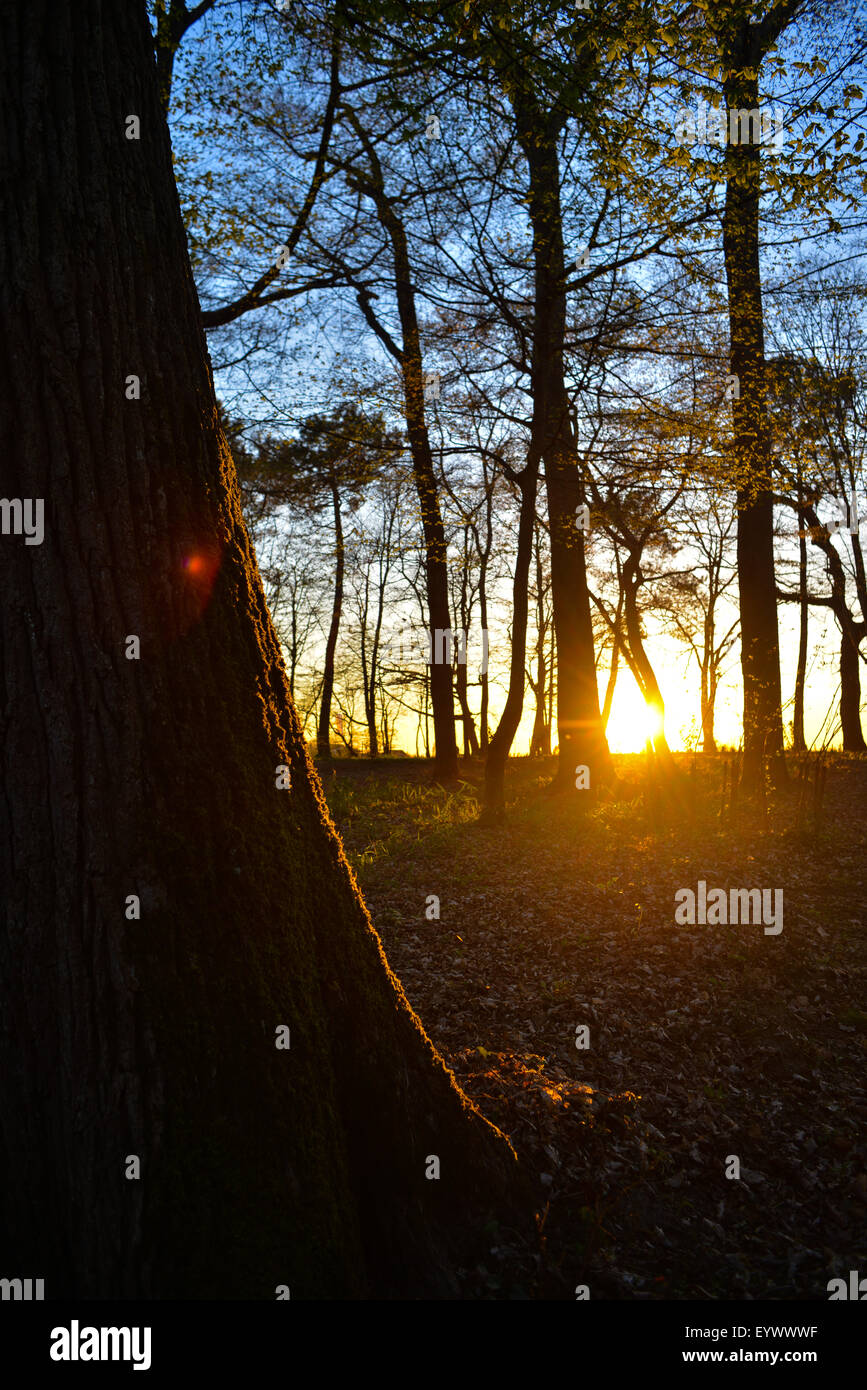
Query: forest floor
point(705, 1042)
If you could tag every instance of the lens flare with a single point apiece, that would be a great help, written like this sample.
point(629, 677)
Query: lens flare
point(653, 723)
point(199, 570)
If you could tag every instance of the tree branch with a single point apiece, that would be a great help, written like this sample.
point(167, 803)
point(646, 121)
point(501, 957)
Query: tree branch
point(255, 298)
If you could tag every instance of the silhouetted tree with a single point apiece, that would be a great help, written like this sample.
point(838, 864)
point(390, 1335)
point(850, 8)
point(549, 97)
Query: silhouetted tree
point(172, 911)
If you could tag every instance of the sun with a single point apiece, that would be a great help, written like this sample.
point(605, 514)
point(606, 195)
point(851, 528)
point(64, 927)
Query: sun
point(633, 722)
point(654, 724)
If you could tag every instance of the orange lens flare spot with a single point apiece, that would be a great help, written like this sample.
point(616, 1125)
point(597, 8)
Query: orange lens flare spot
point(199, 569)
point(201, 566)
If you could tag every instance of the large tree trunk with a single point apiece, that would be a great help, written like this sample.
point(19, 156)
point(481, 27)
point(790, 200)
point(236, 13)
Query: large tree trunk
point(760, 648)
point(323, 733)
point(579, 724)
point(156, 777)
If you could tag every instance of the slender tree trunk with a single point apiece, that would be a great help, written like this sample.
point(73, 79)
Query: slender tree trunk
point(860, 575)
point(141, 778)
point(850, 693)
point(368, 671)
point(427, 712)
point(540, 742)
point(465, 616)
point(799, 741)
point(323, 733)
point(436, 568)
point(579, 725)
point(385, 727)
point(852, 634)
point(470, 740)
point(468, 729)
point(293, 650)
point(370, 713)
point(483, 676)
point(540, 739)
point(501, 742)
point(552, 677)
point(375, 682)
point(484, 560)
point(611, 684)
point(709, 672)
point(441, 688)
point(649, 684)
point(760, 648)
point(708, 702)
point(615, 663)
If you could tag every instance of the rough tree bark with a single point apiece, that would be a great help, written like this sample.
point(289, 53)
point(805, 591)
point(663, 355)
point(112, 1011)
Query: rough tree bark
point(154, 778)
